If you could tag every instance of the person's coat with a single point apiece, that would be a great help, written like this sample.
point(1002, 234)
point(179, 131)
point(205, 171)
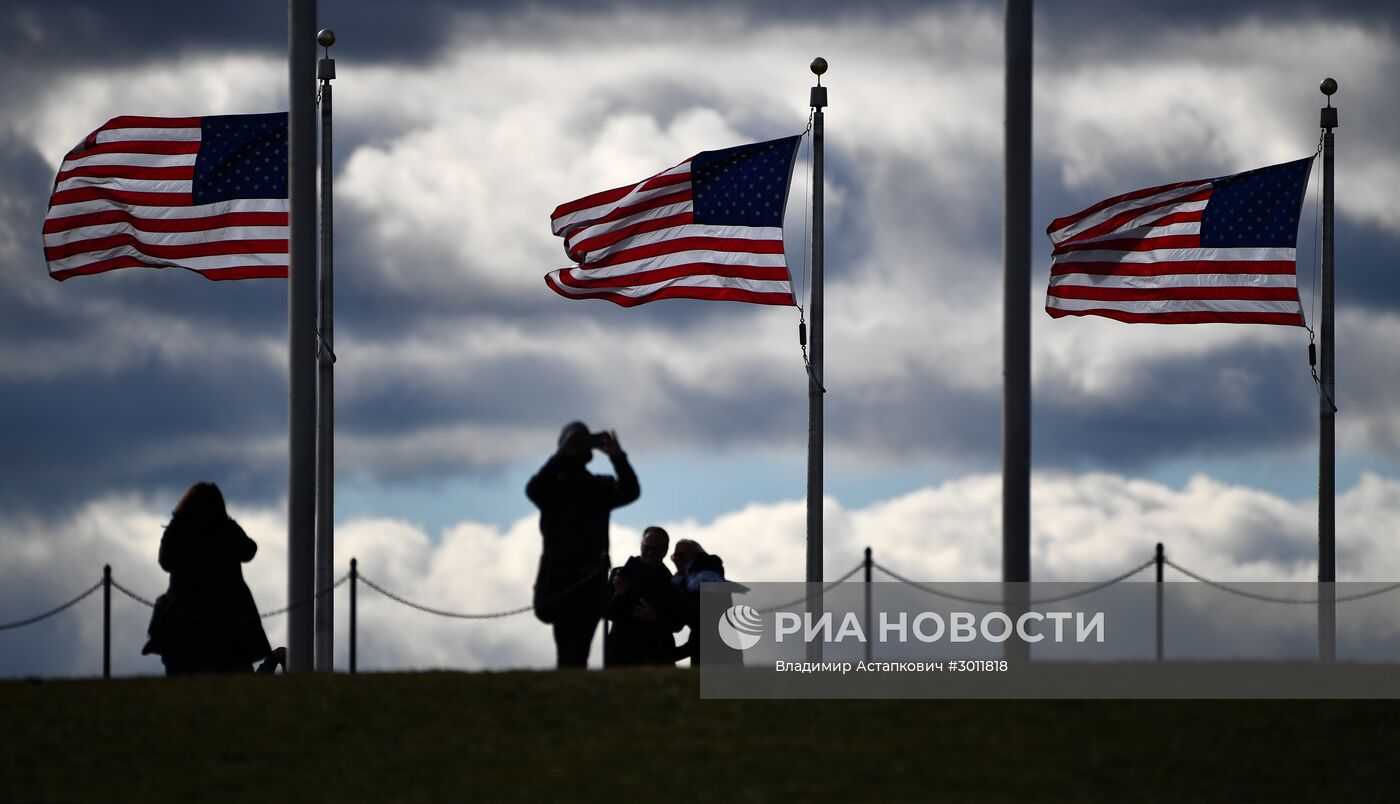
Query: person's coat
point(632, 640)
point(207, 618)
point(575, 506)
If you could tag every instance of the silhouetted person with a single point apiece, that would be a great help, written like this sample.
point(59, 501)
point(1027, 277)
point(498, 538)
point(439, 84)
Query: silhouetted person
point(575, 506)
point(643, 609)
point(206, 622)
point(694, 566)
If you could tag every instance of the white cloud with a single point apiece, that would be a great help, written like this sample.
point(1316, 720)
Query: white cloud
point(1085, 528)
point(80, 100)
point(1367, 366)
point(1226, 99)
point(477, 173)
point(477, 179)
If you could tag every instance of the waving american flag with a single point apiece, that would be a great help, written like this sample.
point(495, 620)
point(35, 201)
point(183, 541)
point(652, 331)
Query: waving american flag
point(204, 193)
point(708, 228)
point(1215, 250)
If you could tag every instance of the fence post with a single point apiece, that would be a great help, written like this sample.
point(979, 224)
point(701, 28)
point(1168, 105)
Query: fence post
point(107, 621)
point(354, 578)
point(1161, 560)
point(869, 634)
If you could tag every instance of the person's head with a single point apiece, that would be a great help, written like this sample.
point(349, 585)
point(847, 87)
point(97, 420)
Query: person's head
point(578, 445)
point(655, 540)
point(203, 502)
point(687, 550)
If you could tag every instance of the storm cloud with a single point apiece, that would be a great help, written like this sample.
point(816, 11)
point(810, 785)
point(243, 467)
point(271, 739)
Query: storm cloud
point(460, 126)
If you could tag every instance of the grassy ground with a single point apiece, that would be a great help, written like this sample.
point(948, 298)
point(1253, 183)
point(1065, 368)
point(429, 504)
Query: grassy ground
point(644, 735)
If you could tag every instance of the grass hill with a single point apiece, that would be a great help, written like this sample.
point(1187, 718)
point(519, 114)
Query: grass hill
point(645, 736)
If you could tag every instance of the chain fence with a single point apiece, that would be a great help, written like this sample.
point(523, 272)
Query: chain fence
point(826, 588)
point(493, 615)
point(1312, 601)
point(868, 564)
point(66, 606)
point(980, 602)
point(150, 604)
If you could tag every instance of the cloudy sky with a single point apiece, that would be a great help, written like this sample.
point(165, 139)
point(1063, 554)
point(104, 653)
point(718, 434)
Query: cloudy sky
point(460, 126)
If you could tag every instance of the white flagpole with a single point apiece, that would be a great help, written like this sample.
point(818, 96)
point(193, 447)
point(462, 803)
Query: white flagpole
point(301, 331)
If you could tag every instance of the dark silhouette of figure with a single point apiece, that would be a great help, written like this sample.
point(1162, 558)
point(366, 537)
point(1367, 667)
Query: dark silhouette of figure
point(694, 566)
point(575, 506)
point(206, 622)
point(643, 609)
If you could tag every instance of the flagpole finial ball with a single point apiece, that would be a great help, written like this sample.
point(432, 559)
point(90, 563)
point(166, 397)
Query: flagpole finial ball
point(325, 38)
point(819, 65)
point(1328, 86)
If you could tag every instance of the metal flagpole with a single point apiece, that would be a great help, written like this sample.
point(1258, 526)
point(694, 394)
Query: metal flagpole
point(1016, 325)
point(301, 331)
point(815, 383)
point(325, 383)
point(1016, 344)
point(1327, 468)
point(815, 386)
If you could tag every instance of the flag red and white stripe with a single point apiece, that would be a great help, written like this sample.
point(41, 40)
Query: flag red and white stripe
point(124, 197)
point(642, 242)
point(1139, 258)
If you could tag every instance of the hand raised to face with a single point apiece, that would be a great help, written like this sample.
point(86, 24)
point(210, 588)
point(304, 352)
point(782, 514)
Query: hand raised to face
point(608, 443)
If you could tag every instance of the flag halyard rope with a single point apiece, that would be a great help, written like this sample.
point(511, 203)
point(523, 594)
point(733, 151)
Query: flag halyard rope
point(806, 266)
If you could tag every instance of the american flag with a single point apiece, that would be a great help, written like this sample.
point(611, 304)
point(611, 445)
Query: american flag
point(204, 193)
point(1216, 250)
point(708, 228)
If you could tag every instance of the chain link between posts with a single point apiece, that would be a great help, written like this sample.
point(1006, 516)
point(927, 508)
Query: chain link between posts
point(262, 616)
point(488, 615)
point(31, 620)
point(979, 602)
point(1271, 599)
point(827, 588)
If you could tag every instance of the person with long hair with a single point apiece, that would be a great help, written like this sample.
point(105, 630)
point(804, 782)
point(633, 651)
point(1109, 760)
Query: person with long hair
point(206, 622)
